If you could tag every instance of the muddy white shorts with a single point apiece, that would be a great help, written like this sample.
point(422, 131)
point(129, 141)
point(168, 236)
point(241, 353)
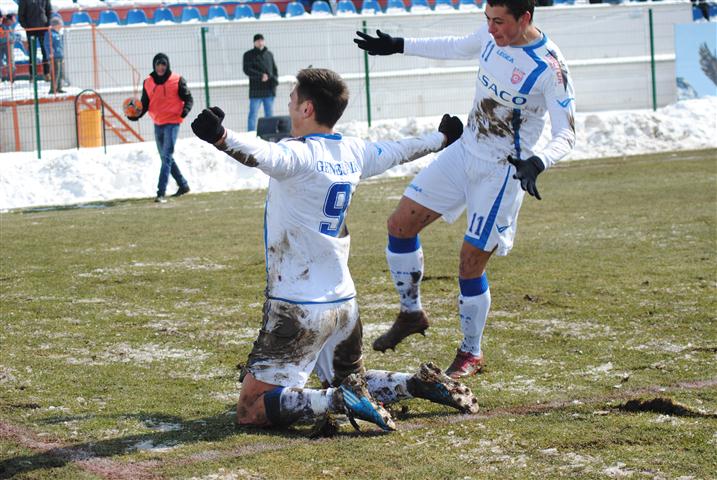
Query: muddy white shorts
point(296, 339)
point(457, 181)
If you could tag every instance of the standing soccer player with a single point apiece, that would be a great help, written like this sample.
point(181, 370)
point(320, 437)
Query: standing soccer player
point(522, 79)
point(311, 319)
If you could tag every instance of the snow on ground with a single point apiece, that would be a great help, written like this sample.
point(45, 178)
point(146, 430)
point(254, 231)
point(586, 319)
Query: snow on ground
point(66, 177)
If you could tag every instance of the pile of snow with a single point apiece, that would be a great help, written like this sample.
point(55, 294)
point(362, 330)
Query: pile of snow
point(66, 177)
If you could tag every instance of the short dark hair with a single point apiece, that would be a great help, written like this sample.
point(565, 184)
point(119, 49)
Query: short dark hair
point(517, 8)
point(326, 90)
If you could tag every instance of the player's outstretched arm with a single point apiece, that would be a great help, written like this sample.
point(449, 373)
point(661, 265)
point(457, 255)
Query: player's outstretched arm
point(273, 159)
point(527, 172)
point(382, 155)
point(382, 44)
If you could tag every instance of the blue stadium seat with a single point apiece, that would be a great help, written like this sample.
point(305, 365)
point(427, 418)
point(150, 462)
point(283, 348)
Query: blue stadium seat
point(294, 9)
point(217, 13)
point(269, 10)
point(108, 17)
point(468, 6)
point(395, 6)
point(190, 14)
point(136, 16)
point(345, 7)
point(81, 18)
point(319, 7)
point(370, 7)
point(713, 11)
point(163, 15)
point(419, 6)
point(443, 6)
point(696, 13)
point(244, 12)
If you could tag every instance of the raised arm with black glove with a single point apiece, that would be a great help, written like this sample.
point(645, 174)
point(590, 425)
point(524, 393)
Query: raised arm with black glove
point(383, 44)
point(208, 125)
point(451, 127)
point(527, 172)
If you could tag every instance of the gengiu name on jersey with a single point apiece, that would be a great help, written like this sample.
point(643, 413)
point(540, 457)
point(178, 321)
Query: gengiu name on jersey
point(343, 168)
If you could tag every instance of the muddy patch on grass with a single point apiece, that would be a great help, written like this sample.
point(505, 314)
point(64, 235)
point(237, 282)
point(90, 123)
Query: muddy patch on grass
point(663, 406)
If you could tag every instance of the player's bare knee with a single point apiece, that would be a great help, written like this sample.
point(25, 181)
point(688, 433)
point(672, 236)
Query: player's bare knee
point(401, 225)
point(393, 226)
point(473, 261)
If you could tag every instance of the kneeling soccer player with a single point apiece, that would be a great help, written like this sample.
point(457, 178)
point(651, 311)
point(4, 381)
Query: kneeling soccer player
point(311, 319)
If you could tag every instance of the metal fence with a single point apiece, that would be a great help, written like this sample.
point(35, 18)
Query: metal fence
point(612, 51)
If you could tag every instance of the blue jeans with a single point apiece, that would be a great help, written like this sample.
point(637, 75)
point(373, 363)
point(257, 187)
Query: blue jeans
point(254, 104)
point(6, 53)
point(166, 137)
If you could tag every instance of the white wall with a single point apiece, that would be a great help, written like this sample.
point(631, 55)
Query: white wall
point(607, 48)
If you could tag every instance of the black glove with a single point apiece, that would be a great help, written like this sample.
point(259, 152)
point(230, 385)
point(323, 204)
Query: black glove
point(451, 127)
point(384, 44)
point(208, 125)
point(527, 172)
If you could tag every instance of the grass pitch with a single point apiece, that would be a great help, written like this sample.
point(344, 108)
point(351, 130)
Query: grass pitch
point(123, 324)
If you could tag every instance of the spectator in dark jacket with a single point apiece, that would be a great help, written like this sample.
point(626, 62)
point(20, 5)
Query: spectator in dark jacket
point(167, 98)
point(263, 76)
point(55, 47)
point(34, 17)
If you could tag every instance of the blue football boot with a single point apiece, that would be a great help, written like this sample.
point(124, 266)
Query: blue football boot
point(358, 403)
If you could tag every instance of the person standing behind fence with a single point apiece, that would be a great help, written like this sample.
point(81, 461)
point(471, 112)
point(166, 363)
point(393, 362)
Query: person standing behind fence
point(8, 37)
point(263, 75)
point(55, 47)
point(167, 98)
point(34, 16)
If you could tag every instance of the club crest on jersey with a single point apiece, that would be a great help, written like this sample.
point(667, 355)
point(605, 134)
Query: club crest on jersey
point(517, 76)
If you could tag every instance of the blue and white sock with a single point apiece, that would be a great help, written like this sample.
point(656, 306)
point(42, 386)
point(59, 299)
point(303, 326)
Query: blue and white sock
point(473, 308)
point(405, 262)
point(285, 406)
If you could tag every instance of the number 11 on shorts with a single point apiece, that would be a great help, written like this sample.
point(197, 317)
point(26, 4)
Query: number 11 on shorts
point(478, 222)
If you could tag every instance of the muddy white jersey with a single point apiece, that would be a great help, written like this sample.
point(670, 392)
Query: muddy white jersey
point(516, 89)
point(313, 179)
